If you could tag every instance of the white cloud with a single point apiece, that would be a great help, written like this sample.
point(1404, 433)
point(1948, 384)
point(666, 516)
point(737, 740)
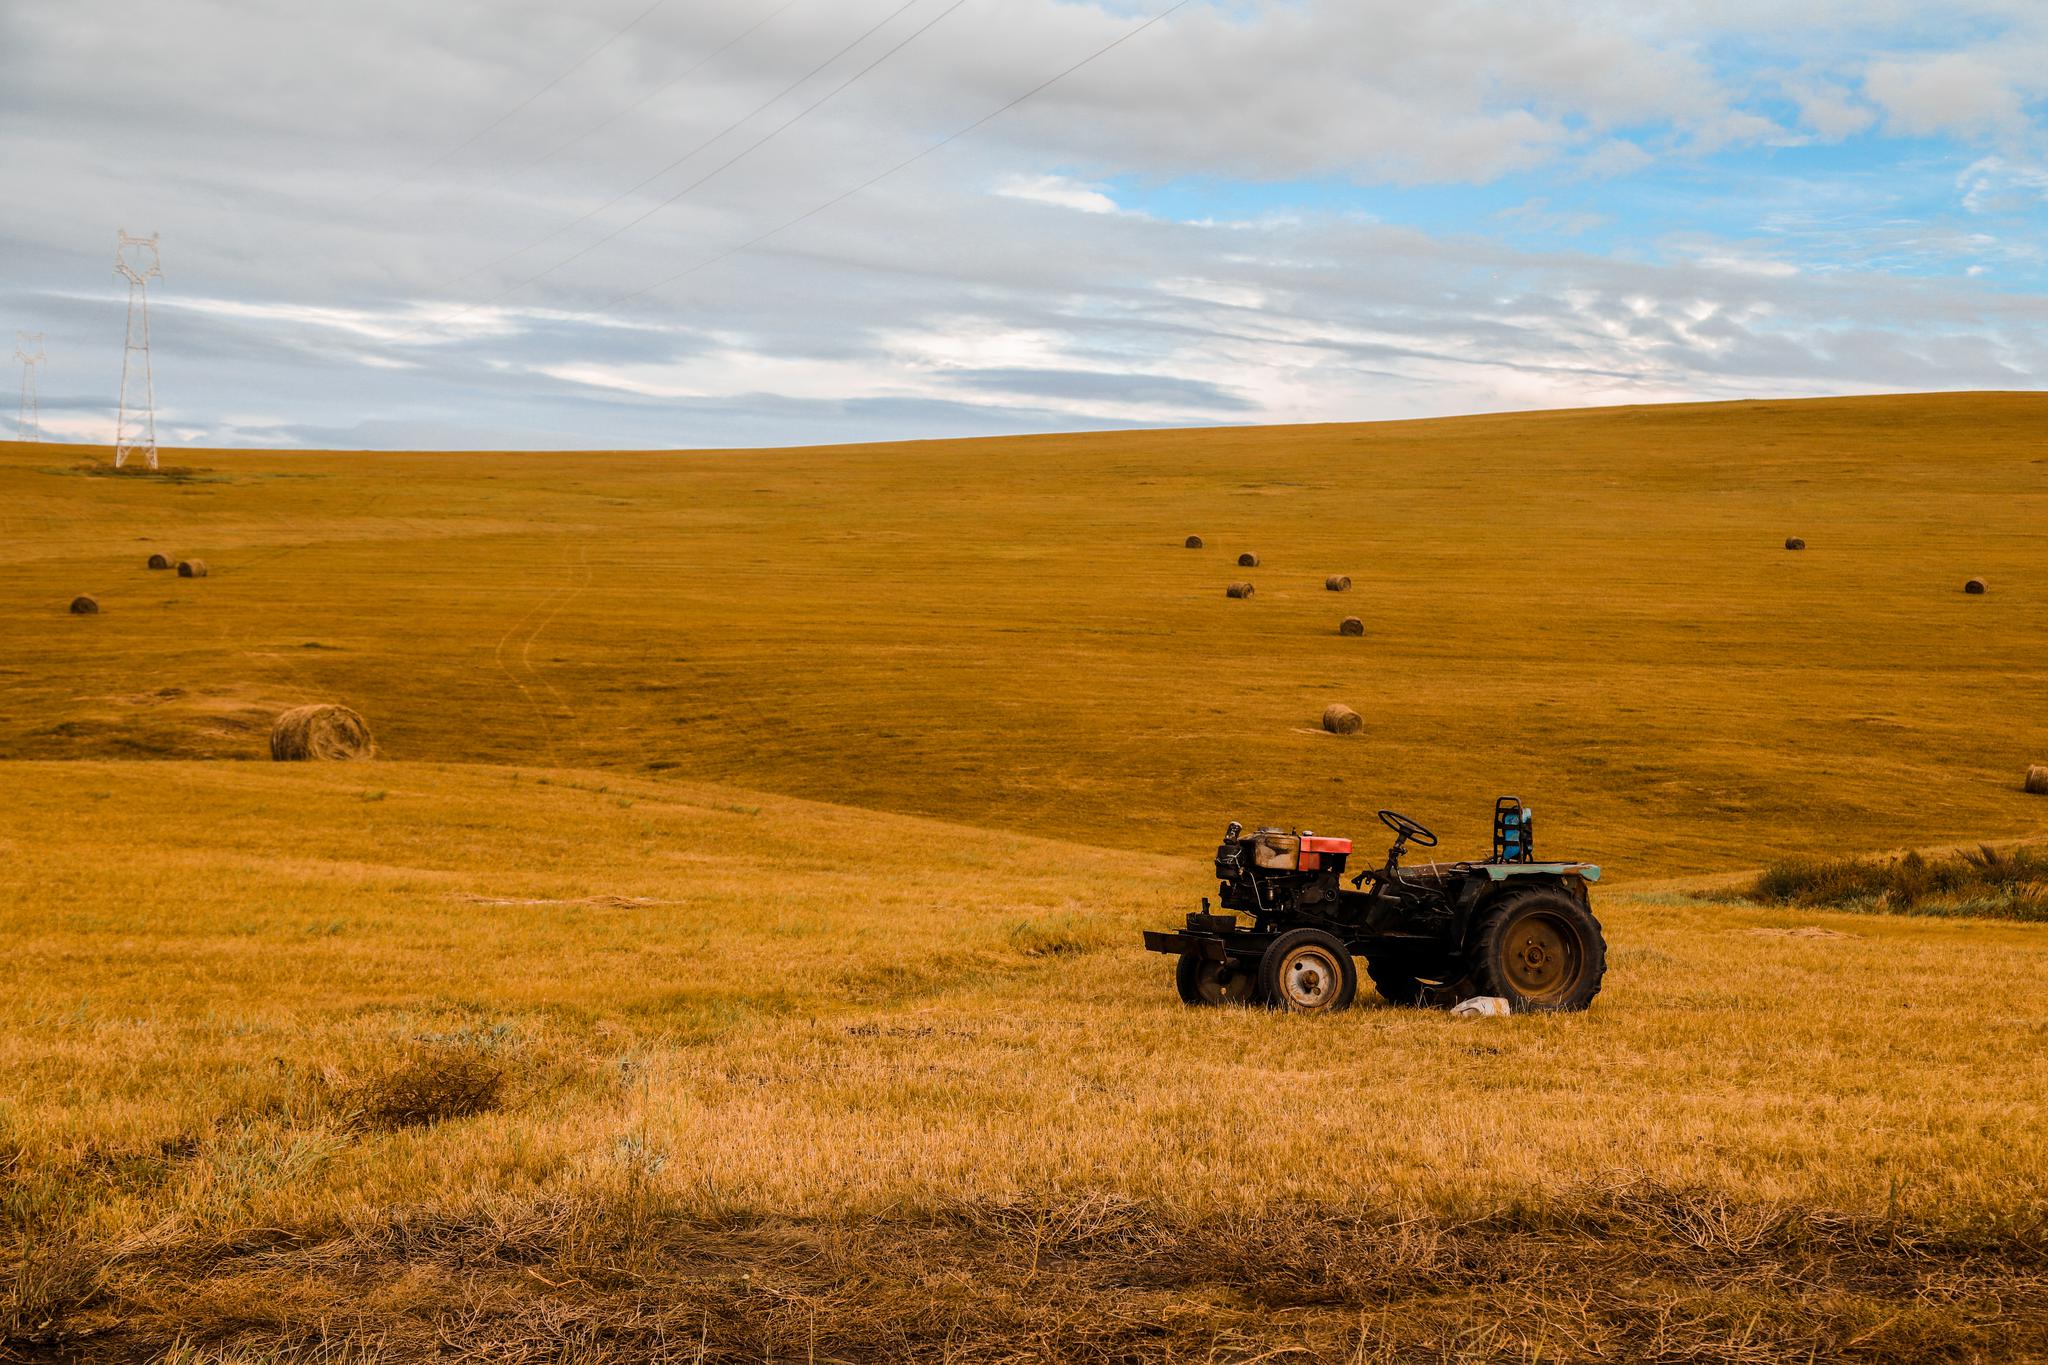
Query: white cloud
point(1830, 110)
point(324, 259)
point(1538, 215)
point(413, 324)
point(1738, 258)
point(1059, 191)
point(1949, 93)
point(1996, 185)
point(1223, 292)
point(1613, 158)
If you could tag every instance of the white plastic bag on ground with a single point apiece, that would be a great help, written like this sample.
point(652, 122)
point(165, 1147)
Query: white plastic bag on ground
point(1481, 1007)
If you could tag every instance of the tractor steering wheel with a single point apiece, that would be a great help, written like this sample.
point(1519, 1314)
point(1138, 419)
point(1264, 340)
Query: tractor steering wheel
point(1407, 828)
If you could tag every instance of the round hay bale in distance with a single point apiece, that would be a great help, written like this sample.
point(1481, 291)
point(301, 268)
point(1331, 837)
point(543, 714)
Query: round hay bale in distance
point(191, 568)
point(320, 732)
point(1238, 590)
point(1794, 543)
point(2037, 779)
point(1975, 587)
point(85, 605)
point(1247, 560)
point(1351, 625)
point(1194, 542)
point(1340, 719)
point(159, 561)
point(1337, 582)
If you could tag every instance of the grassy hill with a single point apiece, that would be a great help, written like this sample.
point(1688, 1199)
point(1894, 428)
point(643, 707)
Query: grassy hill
point(1591, 609)
point(732, 955)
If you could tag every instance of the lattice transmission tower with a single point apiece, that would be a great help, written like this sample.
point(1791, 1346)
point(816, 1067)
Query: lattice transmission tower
point(135, 260)
point(28, 349)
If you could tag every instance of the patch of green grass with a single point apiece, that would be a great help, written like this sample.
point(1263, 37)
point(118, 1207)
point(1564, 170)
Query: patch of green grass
point(1989, 882)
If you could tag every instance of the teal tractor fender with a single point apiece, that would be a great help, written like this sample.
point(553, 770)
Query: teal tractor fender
point(1500, 872)
point(1574, 879)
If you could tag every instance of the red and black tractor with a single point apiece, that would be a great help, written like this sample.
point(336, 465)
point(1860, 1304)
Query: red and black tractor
point(1433, 934)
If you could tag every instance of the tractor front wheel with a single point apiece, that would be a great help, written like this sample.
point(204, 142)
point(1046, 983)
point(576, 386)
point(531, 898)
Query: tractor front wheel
point(1541, 950)
point(1306, 971)
point(1204, 981)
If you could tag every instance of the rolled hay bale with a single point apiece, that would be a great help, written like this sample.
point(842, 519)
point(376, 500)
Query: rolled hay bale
point(1247, 560)
point(320, 732)
point(85, 605)
point(1238, 590)
point(191, 568)
point(2037, 779)
point(1794, 543)
point(159, 561)
point(1340, 719)
point(1351, 625)
point(1338, 582)
point(1975, 587)
point(1194, 542)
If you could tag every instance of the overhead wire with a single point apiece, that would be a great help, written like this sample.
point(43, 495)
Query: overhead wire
point(902, 165)
point(600, 126)
point(708, 142)
point(656, 92)
point(518, 108)
point(717, 170)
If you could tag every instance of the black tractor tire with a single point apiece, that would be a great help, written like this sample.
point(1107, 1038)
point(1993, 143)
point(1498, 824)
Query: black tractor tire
point(1204, 981)
point(1539, 950)
point(1395, 980)
point(1306, 971)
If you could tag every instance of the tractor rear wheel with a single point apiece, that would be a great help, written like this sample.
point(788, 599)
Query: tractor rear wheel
point(1203, 981)
point(1306, 971)
point(1540, 950)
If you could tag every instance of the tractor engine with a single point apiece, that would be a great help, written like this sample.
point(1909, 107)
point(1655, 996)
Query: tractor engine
point(1275, 872)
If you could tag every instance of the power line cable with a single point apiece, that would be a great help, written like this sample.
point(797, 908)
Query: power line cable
point(599, 127)
point(717, 170)
point(744, 152)
point(656, 92)
point(624, 195)
point(904, 164)
point(518, 108)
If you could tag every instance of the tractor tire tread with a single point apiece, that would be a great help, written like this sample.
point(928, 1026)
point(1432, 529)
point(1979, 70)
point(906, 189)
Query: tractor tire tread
point(1486, 976)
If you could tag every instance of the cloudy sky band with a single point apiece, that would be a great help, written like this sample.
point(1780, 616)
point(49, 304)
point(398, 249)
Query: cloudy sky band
point(1254, 212)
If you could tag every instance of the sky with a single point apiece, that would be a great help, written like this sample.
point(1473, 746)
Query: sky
point(499, 224)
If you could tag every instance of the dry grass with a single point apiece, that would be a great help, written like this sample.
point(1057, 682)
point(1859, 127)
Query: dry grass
point(568, 1032)
point(743, 1069)
point(621, 1274)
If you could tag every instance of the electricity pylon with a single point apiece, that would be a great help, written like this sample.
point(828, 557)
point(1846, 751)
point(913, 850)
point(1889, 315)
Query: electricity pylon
point(28, 349)
point(135, 259)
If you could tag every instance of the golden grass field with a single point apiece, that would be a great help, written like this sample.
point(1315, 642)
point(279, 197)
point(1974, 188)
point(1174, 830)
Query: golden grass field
point(752, 872)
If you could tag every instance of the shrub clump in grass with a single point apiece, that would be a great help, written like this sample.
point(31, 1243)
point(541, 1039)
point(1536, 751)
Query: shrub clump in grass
point(1989, 882)
point(430, 1085)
